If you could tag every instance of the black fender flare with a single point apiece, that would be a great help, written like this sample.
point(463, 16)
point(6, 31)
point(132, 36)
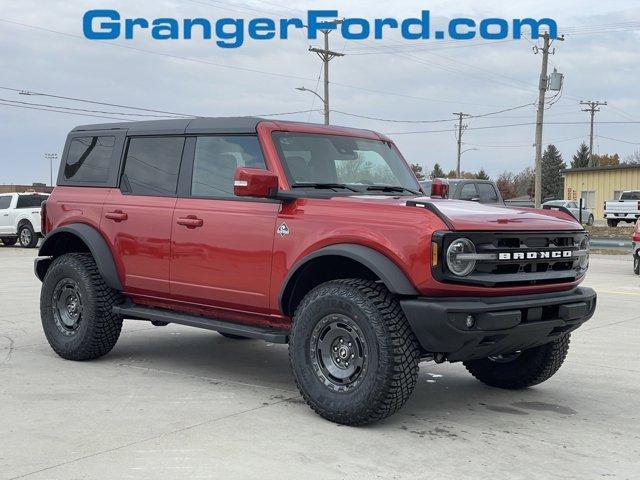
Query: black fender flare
point(383, 267)
point(97, 246)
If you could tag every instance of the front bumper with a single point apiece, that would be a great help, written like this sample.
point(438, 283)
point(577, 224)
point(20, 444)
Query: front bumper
point(500, 325)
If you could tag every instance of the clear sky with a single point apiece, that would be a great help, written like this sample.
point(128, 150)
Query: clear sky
point(390, 78)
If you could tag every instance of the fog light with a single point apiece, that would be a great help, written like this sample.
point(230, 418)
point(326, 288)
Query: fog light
point(470, 321)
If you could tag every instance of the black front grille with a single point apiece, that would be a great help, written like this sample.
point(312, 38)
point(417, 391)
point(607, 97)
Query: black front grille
point(526, 257)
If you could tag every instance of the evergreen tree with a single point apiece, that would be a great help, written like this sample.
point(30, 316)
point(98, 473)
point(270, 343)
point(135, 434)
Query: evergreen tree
point(581, 157)
point(417, 170)
point(552, 182)
point(437, 172)
point(482, 175)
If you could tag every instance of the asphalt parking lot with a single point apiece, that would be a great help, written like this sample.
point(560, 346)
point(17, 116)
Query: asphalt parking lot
point(174, 402)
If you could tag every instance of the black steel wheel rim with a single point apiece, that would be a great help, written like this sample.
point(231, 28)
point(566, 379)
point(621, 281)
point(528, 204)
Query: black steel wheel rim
point(338, 352)
point(25, 236)
point(67, 306)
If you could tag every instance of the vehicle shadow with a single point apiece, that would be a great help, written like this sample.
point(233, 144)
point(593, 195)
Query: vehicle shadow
point(444, 392)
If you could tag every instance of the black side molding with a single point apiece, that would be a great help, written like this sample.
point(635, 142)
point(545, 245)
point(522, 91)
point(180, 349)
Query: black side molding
point(137, 312)
point(53, 244)
point(433, 209)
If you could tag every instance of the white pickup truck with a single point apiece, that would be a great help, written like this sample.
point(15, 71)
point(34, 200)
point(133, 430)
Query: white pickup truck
point(20, 218)
point(625, 209)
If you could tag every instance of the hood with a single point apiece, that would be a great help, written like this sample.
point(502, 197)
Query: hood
point(465, 215)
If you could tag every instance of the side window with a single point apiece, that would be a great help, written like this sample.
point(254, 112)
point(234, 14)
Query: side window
point(487, 193)
point(5, 202)
point(216, 159)
point(152, 165)
point(89, 159)
point(468, 192)
point(30, 201)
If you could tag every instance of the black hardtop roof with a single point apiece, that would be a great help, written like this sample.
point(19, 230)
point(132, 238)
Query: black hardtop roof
point(211, 125)
point(180, 126)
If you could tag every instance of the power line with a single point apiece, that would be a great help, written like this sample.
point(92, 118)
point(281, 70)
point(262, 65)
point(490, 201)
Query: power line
point(62, 111)
point(618, 140)
point(94, 102)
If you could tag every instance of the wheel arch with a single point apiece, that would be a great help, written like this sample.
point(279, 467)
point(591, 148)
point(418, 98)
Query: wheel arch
point(23, 221)
point(341, 261)
point(79, 237)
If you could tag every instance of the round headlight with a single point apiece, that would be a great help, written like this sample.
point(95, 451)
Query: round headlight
point(584, 259)
point(458, 265)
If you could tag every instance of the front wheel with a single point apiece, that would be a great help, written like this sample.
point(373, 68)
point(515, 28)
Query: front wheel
point(521, 369)
point(76, 308)
point(353, 354)
point(27, 237)
point(636, 264)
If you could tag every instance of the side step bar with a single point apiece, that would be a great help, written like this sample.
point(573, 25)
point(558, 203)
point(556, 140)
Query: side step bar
point(136, 312)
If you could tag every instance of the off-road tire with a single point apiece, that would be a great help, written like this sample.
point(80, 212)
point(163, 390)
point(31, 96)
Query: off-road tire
point(98, 328)
point(27, 237)
point(231, 336)
point(391, 369)
point(590, 220)
point(530, 368)
point(636, 264)
point(8, 241)
point(612, 223)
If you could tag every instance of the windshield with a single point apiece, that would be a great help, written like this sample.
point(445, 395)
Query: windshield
point(330, 161)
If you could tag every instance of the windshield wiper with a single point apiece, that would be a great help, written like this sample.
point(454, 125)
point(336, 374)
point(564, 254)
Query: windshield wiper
point(392, 188)
point(323, 185)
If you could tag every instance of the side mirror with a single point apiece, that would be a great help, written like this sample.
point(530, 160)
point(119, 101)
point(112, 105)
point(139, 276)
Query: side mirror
point(254, 182)
point(439, 188)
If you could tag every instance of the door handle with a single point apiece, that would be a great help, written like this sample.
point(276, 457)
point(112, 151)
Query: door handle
point(190, 221)
point(116, 216)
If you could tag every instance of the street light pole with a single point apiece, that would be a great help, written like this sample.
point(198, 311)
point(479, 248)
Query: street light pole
point(51, 157)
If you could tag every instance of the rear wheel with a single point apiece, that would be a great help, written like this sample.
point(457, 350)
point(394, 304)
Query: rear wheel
point(612, 223)
point(636, 264)
point(521, 369)
point(8, 241)
point(27, 237)
point(590, 220)
point(353, 354)
point(76, 309)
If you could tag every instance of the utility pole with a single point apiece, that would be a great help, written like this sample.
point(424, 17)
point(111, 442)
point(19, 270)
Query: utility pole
point(542, 90)
point(51, 157)
point(326, 56)
point(592, 109)
point(461, 128)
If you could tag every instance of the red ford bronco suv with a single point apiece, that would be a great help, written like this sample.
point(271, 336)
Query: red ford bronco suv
point(315, 236)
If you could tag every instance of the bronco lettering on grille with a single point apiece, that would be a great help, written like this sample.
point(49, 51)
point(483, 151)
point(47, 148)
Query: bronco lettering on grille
point(535, 255)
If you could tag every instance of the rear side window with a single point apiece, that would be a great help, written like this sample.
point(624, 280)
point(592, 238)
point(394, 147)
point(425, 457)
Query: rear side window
point(152, 166)
point(5, 202)
point(30, 201)
point(487, 193)
point(215, 162)
point(89, 160)
point(468, 192)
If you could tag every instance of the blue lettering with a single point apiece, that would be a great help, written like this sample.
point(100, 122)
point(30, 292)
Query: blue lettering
point(423, 23)
point(453, 29)
point(361, 24)
point(165, 29)
point(109, 30)
point(314, 26)
point(487, 23)
point(237, 35)
point(262, 29)
point(129, 25)
point(380, 23)
point(203, 22)
point(284, 26)
point(534, 26)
